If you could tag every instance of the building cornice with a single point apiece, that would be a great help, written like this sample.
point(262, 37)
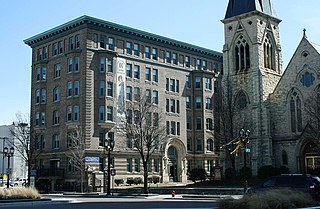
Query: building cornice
point(119, 28)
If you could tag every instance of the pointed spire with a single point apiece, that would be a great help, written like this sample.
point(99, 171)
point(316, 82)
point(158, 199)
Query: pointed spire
point(238, 7)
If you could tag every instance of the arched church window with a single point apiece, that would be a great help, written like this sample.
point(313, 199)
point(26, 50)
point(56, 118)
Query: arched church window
point(269, 54)
point(242, 100)
point(307, 79)
point(295, 112)
point(284, 158)
point(242, 55)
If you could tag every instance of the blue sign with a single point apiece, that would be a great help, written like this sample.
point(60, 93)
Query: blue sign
point(92, 159)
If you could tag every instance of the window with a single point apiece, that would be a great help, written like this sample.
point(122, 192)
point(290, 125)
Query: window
point(136, 72)
point(137, 165)
point(187, 61)
point(209, 124)
point(208, 82)
point(188, 81)
point(76, 64)
point(168, 57)
point(178, 128)
point(37, 96)
point(167, 84)
point(38, 70)
point(95, 40)
point(55, 49)
point(70, 66)
point(307, 79)
point(39, 54)
point(284, 158)
point(44, 74)
point(102, 41)
point(71, 43)
point(56, 94)
point(269, 54)
point(101, 114)
point(155, 75)
point(129, 47)
point(198, 64)
point(129, 70)
point(37, 117)
point(242, 100)
point(178, 106)
point(172, 105)
point(211, 165)
point(136, 94)
point(174, 58)
point(69, 113)
point(189, 144)
point(111, 43)
point(148, 74)
point(57, 71)
point(210, 145)
point(60, 47)
point(204, 64)
point(102, 88)
point(69, 90)
point(129, 93)
point(177, 86)
point(295, 111)
point(148, 95)
point(215, 67)
point(110, 65)
point(155, 119)
point(43, 118)
point(129, 142)
point(55, 117)
point(102, 64)
point(129, 165)
point(155, 97)
point(198, 82)
point(147, 52)
point(156, 165)
point(43, 96)
point(55, 141)
point(154, 54)
point(136, 49)
point(173, 128)
point(167, 105)
point(208, 104)
point(199, 123)
point(129, 116)
point(76, 88)
point(188, 102)
point(242, 55)
point(189, 123)
point(137, 116)
point(77, 41)
point(110, 89)
point(199, 144)
point(172, 85)
point(109, 113)
point(75, 113)
point(198, 103)
point(45, 52)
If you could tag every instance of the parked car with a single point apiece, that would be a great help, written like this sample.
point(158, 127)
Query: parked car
point(19, 182)
point(302, 182)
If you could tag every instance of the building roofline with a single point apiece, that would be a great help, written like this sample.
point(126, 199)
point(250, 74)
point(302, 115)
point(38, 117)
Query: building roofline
point(120, 28)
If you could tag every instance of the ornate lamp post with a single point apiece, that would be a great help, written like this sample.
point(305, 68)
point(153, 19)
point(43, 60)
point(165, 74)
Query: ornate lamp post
point(8, 153)
point(244, 140)
point(109, 145)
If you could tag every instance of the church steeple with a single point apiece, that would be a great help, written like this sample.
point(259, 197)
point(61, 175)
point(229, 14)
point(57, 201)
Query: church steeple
point(238, 7)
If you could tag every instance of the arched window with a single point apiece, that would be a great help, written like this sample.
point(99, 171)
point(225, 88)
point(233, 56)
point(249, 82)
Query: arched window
point(242, 55)
point(295, 111)
point(210, 145)
point(241, 100)
point(284, 158)
point(269, 58)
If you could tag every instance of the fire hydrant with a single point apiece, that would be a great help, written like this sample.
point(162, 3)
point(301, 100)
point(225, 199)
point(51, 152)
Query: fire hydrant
point(173, 193)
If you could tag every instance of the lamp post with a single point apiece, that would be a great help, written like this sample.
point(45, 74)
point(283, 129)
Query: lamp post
point(3, 144)
point(8, 153)
point(109, 145)
point(244, 138)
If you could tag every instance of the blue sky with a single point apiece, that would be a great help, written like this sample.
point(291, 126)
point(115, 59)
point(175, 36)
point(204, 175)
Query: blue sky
point(193, 21)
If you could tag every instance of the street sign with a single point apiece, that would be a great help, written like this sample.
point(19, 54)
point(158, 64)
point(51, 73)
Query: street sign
point(113, 172)
point(248, 150)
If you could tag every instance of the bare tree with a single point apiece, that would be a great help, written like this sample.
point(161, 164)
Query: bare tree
point(76, 152)
point(144, 126)
point(312, 115)
point(25, 142)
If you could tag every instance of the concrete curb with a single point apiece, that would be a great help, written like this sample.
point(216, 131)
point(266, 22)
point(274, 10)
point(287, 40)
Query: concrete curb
point(24, 200)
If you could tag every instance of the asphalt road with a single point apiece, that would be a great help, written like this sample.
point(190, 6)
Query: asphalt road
point(158, 202)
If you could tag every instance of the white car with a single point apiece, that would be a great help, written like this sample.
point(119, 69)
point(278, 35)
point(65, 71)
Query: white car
point(19, 182)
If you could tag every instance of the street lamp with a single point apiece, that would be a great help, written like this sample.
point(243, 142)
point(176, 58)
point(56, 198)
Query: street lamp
point(8, 153)
point(109, 145)
point(4, 142)
point(244, 140)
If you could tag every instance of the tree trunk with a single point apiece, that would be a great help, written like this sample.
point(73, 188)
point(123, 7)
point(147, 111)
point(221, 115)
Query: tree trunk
point(145, 179)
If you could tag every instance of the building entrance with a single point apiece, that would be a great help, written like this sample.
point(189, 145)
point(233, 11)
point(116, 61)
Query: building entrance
point(173, 164)
point(312, 159)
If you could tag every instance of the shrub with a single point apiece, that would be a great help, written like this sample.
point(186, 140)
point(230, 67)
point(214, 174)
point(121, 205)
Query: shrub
point(247, 171)
point(118, 181)
point(277, 198)
point(198, 174)
point(19, 193)
point(130, 181)
point(230, 173)
point(137, 180)
point(153, 179)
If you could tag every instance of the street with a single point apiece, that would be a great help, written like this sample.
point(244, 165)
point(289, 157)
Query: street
point(156, 202)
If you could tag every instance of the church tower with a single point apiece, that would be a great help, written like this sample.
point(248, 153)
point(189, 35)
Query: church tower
point(252, 68)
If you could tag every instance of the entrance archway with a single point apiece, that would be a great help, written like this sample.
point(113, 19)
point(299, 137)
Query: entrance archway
point(172, 164)
point(311, 155)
